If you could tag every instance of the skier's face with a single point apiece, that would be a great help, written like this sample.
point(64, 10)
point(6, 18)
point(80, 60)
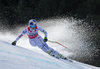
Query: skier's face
point(32, 25)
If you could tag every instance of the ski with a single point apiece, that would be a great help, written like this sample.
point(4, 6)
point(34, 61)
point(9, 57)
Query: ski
point(68, 60)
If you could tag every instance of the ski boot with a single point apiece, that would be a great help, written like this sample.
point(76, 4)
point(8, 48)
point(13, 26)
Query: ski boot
point(64, 58)
point(61, 56)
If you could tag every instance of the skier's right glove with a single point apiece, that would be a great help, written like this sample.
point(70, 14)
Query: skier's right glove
point(14, 43)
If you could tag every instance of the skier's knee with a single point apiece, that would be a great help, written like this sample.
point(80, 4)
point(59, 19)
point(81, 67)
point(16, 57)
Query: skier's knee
point(50, 53)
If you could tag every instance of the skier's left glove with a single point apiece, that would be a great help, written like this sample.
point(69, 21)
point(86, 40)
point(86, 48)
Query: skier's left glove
point(14, 43)
point(45, 39)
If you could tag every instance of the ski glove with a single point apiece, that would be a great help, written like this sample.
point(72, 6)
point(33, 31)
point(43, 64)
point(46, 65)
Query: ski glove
point(14, 43)
point(45, 39)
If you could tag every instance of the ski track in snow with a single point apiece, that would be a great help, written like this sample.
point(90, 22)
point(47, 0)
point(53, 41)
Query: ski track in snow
point(15, 57)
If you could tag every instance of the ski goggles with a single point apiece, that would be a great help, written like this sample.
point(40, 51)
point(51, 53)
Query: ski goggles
point(31, 25)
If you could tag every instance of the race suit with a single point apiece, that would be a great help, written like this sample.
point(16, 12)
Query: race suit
point(36, 40)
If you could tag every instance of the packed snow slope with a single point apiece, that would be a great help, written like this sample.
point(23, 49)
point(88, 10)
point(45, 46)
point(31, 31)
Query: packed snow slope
point(15, 57)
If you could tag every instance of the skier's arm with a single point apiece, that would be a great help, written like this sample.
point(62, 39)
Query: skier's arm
point(42, 30)
point(24, 32)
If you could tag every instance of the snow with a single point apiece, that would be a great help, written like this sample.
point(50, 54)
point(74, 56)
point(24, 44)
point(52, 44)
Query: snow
point(16, 57)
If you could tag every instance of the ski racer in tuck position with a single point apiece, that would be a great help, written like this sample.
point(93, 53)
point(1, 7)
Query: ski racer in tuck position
point(36, 40)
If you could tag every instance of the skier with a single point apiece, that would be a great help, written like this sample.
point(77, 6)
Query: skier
point(36, 40)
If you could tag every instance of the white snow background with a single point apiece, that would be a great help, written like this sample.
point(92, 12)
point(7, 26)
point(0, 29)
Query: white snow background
point(24, 56)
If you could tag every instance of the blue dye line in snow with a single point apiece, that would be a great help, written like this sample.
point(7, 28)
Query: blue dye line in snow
point(38, 59)
point(31, 58)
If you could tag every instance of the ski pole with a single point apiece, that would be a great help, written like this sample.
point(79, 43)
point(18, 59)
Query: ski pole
point(59, 44)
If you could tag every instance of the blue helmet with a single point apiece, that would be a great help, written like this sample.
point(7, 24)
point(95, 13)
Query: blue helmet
point(32, 23)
